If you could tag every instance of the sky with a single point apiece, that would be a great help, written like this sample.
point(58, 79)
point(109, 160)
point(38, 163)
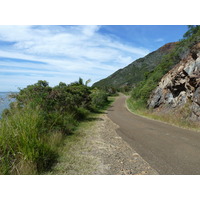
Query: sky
point(64, 53)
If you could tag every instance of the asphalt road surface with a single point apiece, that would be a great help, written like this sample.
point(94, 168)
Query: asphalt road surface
point(168, 149)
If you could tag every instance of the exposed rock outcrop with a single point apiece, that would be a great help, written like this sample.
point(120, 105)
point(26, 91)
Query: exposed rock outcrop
point(180, 85)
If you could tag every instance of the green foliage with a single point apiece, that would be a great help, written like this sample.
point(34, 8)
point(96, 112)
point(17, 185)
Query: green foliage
point(24, 147)
point(35, 124)
point(34, 94)
point(144, 74)
point(125, 89)
point(192, 29)
point(82, 113)
point(134, 72)
point(99, 99)
point(136, 106)
point(87, 82)
point(143, 90)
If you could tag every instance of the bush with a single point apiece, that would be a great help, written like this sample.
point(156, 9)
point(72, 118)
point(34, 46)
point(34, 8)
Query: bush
point(33, 127)
point(99, 99)
point(60, 106)
point(81, 113)
point(136, 105)
point(57, 121)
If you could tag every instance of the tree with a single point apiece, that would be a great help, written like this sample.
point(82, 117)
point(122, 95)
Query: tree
point(80, 81)
point(88, 81)
point(192, 29)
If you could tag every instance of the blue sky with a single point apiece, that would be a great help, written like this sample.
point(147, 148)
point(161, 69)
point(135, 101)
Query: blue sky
point(65, 53)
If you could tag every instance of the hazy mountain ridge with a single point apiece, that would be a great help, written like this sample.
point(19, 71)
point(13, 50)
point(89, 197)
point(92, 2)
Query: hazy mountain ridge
point(135, 72)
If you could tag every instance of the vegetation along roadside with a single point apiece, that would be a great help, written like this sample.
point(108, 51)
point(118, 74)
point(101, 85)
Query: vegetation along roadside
point(41, 120)
point(176, 119)
point(76, 155)
point(141, 93)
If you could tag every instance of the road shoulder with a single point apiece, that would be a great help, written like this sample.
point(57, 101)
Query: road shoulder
point(99, 150)
point(114, 154)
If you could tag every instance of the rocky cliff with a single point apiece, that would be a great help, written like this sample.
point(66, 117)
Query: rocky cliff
point(180, 86)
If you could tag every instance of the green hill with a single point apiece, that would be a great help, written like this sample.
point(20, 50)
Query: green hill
point(144, 89)
point(136, 71)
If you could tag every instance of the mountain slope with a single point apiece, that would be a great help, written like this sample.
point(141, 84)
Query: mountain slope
point(144, 89)
point(135, 72)
point(180, 87)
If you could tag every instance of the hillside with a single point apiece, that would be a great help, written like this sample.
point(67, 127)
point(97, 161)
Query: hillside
point(144, 89)
point(135, 72)
point(166, 80)
point(180, 87)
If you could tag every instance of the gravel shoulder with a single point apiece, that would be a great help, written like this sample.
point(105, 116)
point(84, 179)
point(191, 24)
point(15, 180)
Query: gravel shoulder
point(99, 150)
point(115, 156)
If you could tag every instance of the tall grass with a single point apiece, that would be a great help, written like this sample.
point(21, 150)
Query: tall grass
point(24, 147)
point(178, 117)
point(136, 106)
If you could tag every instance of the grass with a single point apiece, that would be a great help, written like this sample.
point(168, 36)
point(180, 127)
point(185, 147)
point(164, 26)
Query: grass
point(32, 143)
point(74, 158)
point(42, 117)
point(177, 118)
point(24, 147)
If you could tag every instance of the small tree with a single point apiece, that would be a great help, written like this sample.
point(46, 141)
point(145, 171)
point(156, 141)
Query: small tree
point(192, 29)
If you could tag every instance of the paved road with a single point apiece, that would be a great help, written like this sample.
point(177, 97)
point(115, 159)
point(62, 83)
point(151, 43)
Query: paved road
point(168, 149)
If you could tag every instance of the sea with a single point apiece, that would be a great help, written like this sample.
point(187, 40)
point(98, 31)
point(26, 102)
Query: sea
point(5, 101)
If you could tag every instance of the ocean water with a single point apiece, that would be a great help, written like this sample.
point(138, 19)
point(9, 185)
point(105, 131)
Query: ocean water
point(5, 101)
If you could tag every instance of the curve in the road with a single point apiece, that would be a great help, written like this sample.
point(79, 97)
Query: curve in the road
point(168, 149)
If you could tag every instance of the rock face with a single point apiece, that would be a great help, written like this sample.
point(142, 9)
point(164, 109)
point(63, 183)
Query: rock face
point(180, 85)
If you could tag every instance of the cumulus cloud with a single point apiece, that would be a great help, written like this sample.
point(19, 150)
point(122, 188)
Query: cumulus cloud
point(66, 49)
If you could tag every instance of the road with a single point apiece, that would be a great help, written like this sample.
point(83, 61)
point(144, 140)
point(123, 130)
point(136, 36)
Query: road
point(168, 149)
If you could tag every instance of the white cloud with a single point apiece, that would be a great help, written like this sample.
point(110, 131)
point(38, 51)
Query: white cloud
point(67, 49)
point(159, 40)
point(89, 30)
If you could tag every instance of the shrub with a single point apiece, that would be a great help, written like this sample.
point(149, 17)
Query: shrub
point(99, 99)
point(33, 127)
point(81, 113)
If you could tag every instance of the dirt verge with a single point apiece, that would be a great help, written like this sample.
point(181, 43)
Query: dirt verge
point(101, 151)
point(115, 156)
